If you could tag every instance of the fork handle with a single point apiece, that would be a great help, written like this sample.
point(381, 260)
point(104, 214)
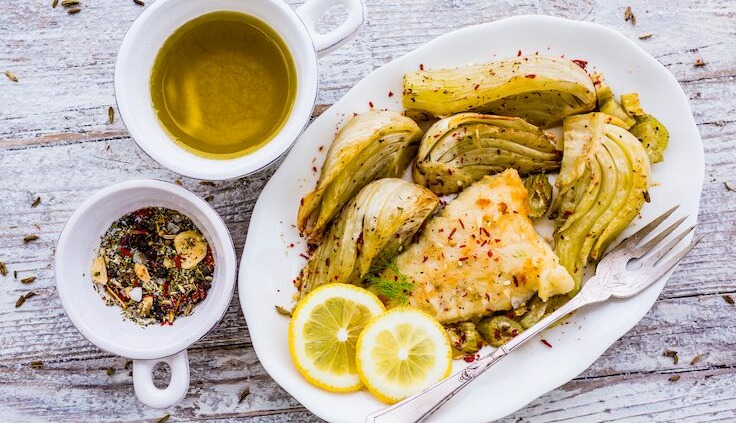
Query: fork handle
point(420, 406)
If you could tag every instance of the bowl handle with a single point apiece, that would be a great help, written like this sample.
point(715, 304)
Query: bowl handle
point(310, 13)
point(152, 396)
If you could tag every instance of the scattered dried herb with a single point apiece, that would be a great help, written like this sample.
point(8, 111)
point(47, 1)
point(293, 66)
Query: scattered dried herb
point(38, 364)
point(11, 76)
point(36, 202)
point(74, 11)
point(70, 3)
point(282, 311)
point(207, 183)
point(22, 299)
point(28, 280)
point(179, 182)
point(695, 360)
point(699, 62)
point(127, 364)
point(727, 298)
point(672, 354)
point(164, 419)
point(244, 393)
point(30, 238)
point(629, 15)
point(646, 36)
point(54, 4)
point(674, 378)
point(110, 115)
point(209, 198)
point(110, 371)
point(139, 2)
point(3, 268)
point(15, 274)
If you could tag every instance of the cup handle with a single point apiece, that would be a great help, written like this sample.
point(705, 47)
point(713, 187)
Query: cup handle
point(310, 13)
point(152, 396)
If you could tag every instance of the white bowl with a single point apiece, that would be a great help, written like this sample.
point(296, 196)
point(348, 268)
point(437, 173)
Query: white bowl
point(103, 325)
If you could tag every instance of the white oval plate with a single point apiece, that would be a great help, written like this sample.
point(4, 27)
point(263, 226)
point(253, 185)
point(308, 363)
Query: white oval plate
point(269, 265)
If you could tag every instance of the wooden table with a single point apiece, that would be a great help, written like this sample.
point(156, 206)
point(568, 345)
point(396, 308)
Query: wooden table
point(56, 144)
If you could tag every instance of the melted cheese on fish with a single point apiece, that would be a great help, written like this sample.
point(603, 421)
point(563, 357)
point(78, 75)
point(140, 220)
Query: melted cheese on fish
point(481, 254)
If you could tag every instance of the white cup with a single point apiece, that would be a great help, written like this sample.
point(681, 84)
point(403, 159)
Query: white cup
point(158, 21)
point(103, 325)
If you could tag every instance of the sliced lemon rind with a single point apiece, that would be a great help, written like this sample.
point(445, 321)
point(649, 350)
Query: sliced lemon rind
point(297, 343)
point(376, 384)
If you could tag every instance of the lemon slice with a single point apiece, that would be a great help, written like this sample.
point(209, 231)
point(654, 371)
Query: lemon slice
point(323, 331)
point(402, 352)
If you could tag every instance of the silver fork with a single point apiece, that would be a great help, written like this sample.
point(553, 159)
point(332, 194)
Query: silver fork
point(612, 279)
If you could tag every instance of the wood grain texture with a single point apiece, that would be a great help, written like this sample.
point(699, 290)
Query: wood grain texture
point(55, 143)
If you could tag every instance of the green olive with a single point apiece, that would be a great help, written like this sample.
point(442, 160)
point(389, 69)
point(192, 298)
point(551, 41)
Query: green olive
point(499, 330)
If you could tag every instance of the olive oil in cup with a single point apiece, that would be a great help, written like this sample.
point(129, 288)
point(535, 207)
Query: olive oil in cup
point(223, 85)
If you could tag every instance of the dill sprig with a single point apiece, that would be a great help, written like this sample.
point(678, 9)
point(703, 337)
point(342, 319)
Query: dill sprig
point(394, 290)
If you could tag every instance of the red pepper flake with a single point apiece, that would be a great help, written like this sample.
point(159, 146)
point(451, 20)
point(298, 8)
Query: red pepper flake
point(485, 232)
point(510, 314)
point(581, 63)
point(476, 87)
point(596, 83)
point(488, 297)
point(462, 225)
point(126, 252)
point(514, 332)
point(291, 245)
point(531, 75)
point(497, 333)
point(390, 93)
point(139, 232)
point(304, 256)
point(462, 258)
point(421, 66)
point(462, 246)
point(321, 147)
point(452, 233)
point(177, 261)
point(469, 358)
point(545, 342)
point(314, 169)
point(516, 281)
point(425, 259)
point(518, 53)
point(370, 103)
point(165, 288)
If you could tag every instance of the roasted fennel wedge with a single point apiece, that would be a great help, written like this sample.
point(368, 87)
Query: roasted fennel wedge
point(461, 149)
point(371, 229)
point(372, 145)
point(539, 89)
point(602, 186)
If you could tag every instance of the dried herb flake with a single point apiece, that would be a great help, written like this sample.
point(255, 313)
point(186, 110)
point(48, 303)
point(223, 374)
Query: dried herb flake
point(164, 419)
point(69, 3)
point(38, 364)
point(729, 187)
point(629, 15)
point(110, 371)
point(729, 299)
point(74, 11)
point(28, 280)
point(3, 268)
point(110, 115)
point(22, 299)
point(207, 183)
point(11, 76)
point(674, 378)
point(699, 62)
point(282, 311)
point(244, 393)
point(672, 354)
point(30, 238)
point(645, 36)
point(36, 202)
point(54, 4)
point(695, 359)
point(139, 2)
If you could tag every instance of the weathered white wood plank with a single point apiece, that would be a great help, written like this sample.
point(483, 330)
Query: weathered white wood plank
point(54, 143)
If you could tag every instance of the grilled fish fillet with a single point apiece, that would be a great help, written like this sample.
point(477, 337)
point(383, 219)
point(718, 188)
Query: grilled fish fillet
point(481, 254)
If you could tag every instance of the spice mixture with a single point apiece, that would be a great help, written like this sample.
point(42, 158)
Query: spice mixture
point(155, 264)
